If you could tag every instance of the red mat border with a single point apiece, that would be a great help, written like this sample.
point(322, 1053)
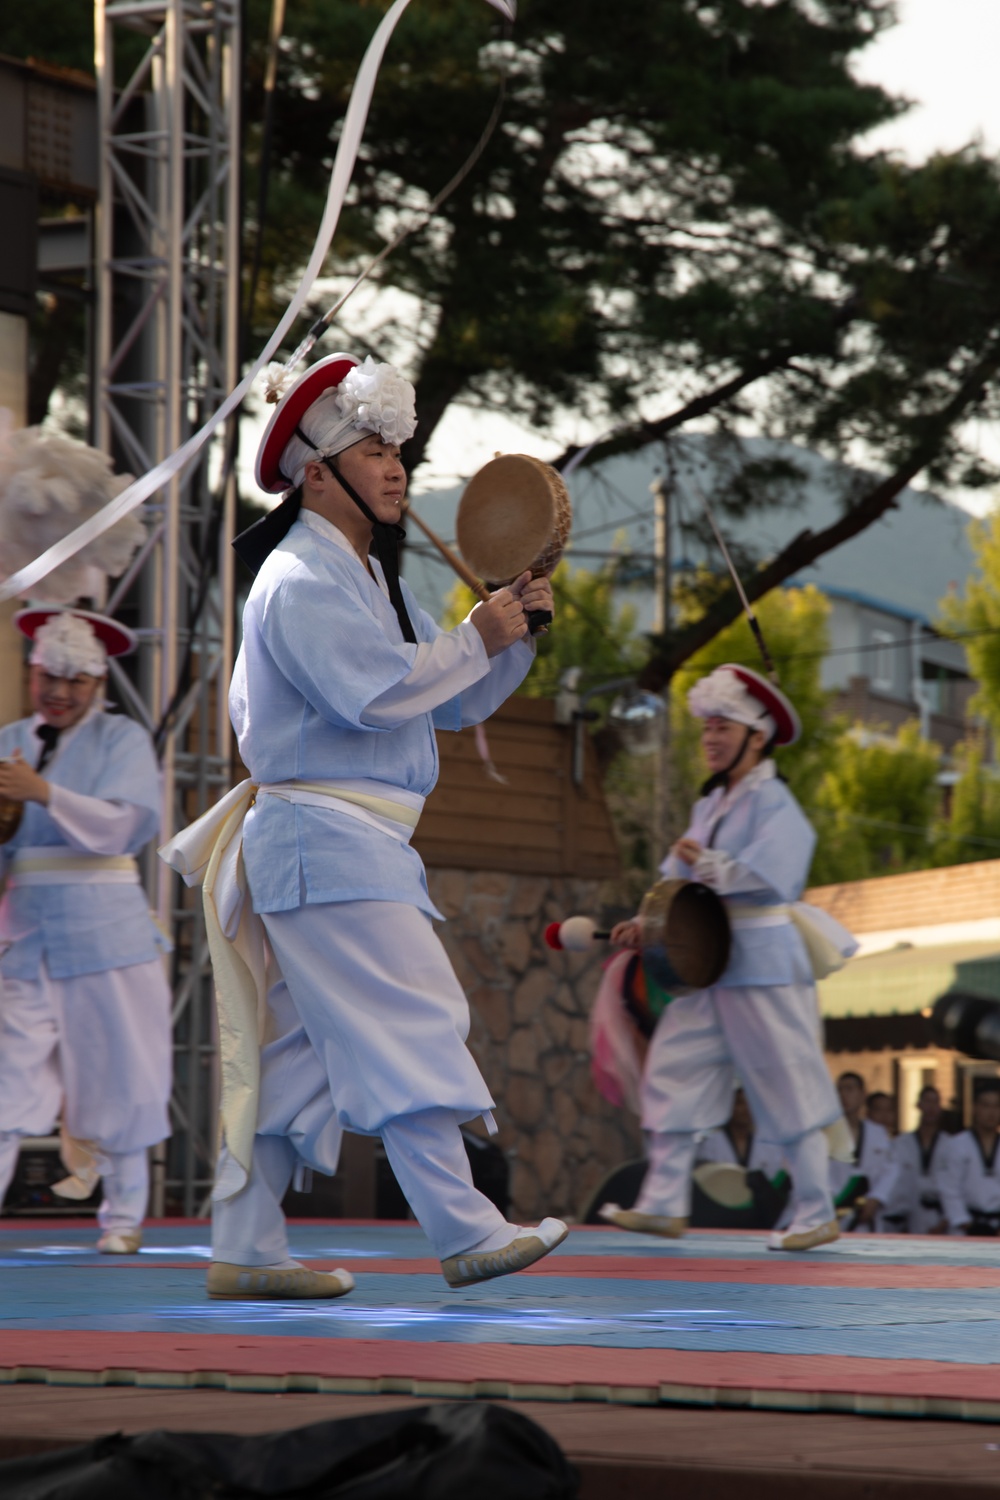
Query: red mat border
point(119, 1358)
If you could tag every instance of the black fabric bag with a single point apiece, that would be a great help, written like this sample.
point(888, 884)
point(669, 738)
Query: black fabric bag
point(465, 1450)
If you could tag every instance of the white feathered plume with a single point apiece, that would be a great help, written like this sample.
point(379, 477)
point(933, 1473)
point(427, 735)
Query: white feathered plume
point(48, 486)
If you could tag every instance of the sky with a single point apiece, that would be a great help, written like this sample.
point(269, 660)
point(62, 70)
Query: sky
point(944, 55)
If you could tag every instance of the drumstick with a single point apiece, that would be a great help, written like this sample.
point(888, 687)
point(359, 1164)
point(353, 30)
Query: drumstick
point(575, 935)
point(452, 559)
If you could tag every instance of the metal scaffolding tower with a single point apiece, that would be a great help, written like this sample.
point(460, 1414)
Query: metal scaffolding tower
point(166, 356)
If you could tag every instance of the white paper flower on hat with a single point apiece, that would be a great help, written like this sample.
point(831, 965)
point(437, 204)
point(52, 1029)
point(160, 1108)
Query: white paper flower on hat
point(721, 694)
point(67, 645)
point(275, 381)
point(376, 398)
point(48, 486)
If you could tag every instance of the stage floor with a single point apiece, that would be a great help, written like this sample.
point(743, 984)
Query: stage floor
point(882, 1326)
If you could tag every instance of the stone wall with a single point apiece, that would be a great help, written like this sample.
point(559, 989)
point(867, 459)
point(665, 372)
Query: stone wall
point(530, 1008)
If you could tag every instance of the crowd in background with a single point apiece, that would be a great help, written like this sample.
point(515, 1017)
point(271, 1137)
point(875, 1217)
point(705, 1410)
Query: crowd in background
point(930, 1180)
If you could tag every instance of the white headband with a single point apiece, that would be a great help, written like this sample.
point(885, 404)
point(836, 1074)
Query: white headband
point(371, 398)
point(66, 646)
point(722, 694)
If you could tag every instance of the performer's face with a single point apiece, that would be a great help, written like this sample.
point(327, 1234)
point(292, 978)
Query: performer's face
point(721, 740)
point(62, 701)
point(376, 471)
point(852, 1095)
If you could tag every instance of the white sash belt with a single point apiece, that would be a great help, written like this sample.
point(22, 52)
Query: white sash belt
point(58, 865)
point(828, 944)
point(209, 853)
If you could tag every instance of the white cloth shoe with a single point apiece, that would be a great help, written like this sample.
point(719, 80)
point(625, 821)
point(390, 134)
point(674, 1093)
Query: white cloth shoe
point(663, 1225)
point(76, 1189)
point(120, 1241)
point(795, 1238)
point(284, 1283)
point(523, 1250)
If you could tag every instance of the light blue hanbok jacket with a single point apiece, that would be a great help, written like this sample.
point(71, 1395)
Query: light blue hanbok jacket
point(326, 689)
point(757, 854)
point(82, 927)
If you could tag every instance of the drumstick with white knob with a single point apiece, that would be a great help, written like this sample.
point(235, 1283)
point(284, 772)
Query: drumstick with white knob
point(575, 935)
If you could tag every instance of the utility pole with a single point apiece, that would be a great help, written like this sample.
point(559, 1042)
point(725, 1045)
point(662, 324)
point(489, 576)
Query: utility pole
point(662, 831)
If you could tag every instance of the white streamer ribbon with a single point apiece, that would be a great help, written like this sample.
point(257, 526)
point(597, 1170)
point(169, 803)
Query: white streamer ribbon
point(25, 578)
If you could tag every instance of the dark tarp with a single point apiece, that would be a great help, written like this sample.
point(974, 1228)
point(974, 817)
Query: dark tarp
point(466, 1450)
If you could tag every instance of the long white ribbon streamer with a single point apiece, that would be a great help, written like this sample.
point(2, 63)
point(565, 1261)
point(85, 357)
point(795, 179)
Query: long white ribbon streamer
point(25, 578)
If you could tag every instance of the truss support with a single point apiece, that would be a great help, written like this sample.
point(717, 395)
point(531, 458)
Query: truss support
point(167, 355)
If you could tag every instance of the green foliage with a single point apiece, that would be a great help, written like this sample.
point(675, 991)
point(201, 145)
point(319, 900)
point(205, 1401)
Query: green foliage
point(977, 611)
point(875, 807)
point(793, 622)
point(590, 631)
point(972, 828)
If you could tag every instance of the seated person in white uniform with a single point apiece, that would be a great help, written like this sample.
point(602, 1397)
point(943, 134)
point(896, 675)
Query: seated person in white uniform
point(881, 1107)
point(969, 1172)
point(916, 1206)
point(85, 1006)
point(739, 1144)
point(873, 1162)
point(750, 841)
point(339, 686)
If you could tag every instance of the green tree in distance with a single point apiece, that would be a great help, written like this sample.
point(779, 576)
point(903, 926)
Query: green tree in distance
point(677, 219)
point(972, 828)
point(975, 613)
point(875, 807)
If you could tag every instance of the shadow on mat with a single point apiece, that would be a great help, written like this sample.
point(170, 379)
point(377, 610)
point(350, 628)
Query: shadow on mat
point(466, 1449)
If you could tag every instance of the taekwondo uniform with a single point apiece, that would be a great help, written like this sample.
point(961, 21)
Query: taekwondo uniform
point(915, 1204)
point(763, 1156)
point(85, 1006)
point(874, 1159)
point(969, 1182)
point(339, 687)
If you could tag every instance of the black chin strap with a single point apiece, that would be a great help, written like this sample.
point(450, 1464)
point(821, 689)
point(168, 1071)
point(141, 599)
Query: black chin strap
point(49, 736)
point(386, 537)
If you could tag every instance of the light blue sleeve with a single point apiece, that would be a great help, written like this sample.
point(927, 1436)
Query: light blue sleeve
point(776, 856)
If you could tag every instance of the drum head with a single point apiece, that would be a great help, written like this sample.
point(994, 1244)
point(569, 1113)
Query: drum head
point(506, 517)
point(686, 935)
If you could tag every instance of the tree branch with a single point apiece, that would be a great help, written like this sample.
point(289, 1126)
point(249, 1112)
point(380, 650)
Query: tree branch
point(670, 653)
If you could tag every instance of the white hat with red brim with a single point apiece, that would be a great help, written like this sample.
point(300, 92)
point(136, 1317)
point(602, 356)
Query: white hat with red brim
point(745, 697)
point(331, 407)
point(67, 642)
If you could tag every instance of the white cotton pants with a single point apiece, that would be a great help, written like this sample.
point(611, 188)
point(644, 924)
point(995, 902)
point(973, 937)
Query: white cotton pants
point(666, 1188)
point(95, 1047)
point(365, 1031)
point(428, 1156)
point(124, 1178)
point(768, 1038)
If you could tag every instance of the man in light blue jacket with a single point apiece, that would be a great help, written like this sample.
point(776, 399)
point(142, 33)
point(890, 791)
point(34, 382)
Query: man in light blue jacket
point(339, 687)
point(84, 1003)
